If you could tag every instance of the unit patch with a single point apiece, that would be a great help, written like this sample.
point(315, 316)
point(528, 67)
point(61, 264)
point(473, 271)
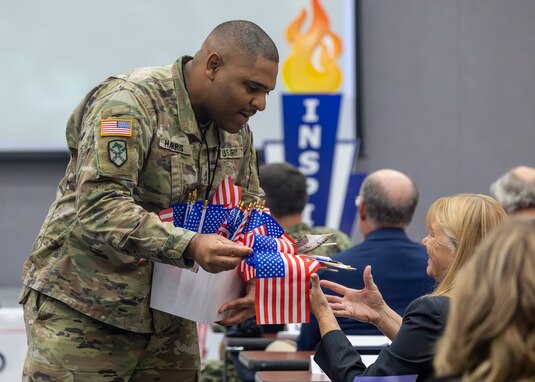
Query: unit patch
point(117, 152)
point(116, 127)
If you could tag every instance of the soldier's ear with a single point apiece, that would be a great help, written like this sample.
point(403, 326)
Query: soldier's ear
point(213, 63)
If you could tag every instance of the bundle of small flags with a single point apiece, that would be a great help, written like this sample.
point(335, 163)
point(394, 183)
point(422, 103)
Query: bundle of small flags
point(279, 265)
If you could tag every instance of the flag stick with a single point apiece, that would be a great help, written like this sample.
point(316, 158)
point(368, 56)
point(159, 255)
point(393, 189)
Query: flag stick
point(203, 215)
point(328, 244)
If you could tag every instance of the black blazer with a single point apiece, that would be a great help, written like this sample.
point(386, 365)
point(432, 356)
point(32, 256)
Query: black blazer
point(411, 352)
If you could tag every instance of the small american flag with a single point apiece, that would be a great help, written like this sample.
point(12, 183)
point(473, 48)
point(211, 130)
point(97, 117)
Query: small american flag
point(248, 272)
point(281, 300)
point(227, 194)
point(273, 244)
point(115, 127)
point(255, 221)
point(228, 228)
point(174, 214)
point(215, 215)
point(272, 227)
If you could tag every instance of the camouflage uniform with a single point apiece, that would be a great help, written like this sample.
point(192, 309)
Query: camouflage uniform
point(341, 239)
point(212, 371)
point(87, 256)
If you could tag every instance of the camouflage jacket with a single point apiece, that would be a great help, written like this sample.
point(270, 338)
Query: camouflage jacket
point(341, 239)
point(104, 219)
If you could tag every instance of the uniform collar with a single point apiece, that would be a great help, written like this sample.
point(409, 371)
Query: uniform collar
point(186, 115)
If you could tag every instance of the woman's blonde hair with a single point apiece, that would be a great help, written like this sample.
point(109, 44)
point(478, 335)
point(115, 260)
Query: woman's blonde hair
point(466, 219)
point(490, 334)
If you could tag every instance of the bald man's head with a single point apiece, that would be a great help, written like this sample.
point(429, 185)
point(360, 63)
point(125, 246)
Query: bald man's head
point(390, 198)
point(515, 190)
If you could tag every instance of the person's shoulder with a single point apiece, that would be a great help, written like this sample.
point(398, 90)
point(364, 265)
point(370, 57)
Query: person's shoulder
point(342, 239)
point(138, 82)
point(320, 230)
point(147, 74)
point(429, 304)
point(299, 230)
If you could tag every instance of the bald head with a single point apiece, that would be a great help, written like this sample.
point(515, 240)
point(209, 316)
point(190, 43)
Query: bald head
point(390, 198)
point(524, 173)
point(515, 190)
point(240, 39)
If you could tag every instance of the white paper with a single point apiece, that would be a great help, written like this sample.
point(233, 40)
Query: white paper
point(195, 296)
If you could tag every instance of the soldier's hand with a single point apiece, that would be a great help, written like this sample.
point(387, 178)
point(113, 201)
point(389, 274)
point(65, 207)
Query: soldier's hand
point(215, 253)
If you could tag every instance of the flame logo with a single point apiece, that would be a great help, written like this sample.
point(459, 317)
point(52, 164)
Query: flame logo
point(299, 72)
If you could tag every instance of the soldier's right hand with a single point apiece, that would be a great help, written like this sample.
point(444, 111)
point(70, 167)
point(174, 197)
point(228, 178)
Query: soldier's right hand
point(215, 253)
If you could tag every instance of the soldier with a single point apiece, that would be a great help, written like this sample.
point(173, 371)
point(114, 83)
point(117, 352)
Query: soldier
point(139, 142)
point(286, 197)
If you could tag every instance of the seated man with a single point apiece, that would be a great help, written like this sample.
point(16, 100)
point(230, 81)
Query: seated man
point(386, 205)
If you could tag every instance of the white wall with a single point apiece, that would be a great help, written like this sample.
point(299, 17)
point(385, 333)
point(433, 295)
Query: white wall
point(54, 52)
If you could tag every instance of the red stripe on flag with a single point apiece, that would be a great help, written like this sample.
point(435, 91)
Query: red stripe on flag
point(166, 215)
point(227, 194)
point(283, 300)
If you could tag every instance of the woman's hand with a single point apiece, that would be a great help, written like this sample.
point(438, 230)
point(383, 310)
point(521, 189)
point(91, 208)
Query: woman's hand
point(366, 305)
point(320, 307)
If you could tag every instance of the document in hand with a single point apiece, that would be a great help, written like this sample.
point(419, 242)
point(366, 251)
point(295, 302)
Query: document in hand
point(195, 296)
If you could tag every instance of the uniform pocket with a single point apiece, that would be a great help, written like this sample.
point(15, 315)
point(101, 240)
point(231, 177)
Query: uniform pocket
point(43, 306)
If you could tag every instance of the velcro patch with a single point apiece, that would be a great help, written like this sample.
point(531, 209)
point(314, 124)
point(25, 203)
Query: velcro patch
point(177, 147)
point(117, 152)
point(231, 152)
point(116, 127)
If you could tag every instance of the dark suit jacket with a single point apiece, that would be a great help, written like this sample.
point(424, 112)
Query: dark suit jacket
point(411, 352)
point(398, 268)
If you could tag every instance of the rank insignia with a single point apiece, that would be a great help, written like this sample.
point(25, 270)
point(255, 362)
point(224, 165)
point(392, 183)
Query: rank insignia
point(117, 152)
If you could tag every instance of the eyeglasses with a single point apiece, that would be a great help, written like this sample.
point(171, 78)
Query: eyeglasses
point(358, 200)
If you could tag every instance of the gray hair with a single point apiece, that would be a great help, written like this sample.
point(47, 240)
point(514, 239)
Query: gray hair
point(513, 192)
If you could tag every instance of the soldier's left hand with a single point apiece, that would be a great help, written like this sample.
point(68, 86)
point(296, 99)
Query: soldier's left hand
point(243, 307)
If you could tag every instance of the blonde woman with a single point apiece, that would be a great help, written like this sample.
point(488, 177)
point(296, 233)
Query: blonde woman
point(456, 225)
point(490, 335)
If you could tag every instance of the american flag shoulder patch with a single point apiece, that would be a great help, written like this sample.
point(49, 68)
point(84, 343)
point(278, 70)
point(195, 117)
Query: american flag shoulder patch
point(116, 127)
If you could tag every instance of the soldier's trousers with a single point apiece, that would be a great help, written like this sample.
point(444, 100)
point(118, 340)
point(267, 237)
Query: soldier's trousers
point(65, 345)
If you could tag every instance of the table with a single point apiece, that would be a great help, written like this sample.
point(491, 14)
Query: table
point(233, 345)
point(248, 343)
point(369, 344)
point(289, 376)
point(264, 360)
